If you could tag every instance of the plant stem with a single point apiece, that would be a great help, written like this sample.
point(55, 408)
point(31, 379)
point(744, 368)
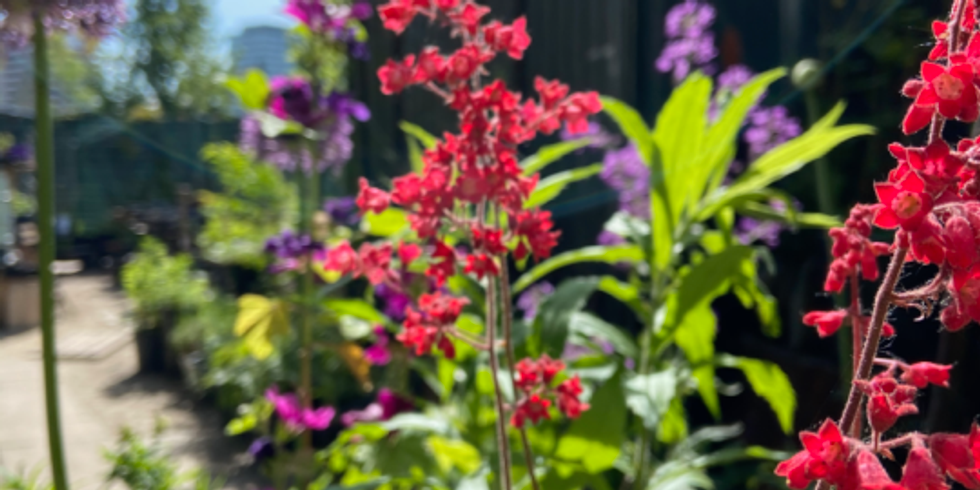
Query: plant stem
point(503, 446)
point(507, 317)
point(45, 220)
point(857, 336)
point(309, 188)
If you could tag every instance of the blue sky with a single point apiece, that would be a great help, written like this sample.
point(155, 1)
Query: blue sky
point(232, 16)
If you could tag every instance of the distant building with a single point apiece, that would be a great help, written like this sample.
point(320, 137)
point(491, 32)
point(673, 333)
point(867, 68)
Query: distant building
point(17, 86)
point(262, 47)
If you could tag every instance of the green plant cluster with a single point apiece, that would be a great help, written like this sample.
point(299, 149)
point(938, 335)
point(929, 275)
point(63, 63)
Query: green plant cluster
point(159, 283)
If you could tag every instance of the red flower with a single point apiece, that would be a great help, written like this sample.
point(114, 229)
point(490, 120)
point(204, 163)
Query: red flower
point(489, 240)
point(481, 265)
point(375, 262)
point(824, 457)
point(397, 15)
point(469, 17)
point(533, 407)
point(948, 91)
point(568, 401)
point(903, 203)
point(512, 39)
point(442, 309)
point(577, 109)
point(954, 455)
point(887, 400)
point(921, 374)
point(866, 473)
point(395, 76)
point(408, 252)
point(551, 93)
point(827, 322)
point(443, 263)
point(431, 67)
point(342, 258)
point(921, 472)
point(528, 374)
point(371, 199)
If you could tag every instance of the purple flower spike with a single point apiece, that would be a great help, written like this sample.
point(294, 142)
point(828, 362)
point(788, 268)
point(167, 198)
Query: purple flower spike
point(625, 172)
point(689, 19)
point(529, 300)
point(342, 210)
point(769, 128)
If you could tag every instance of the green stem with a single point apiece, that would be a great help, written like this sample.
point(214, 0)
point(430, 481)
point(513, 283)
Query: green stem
point(309, 189)
point(503, 445)
point(45, 221)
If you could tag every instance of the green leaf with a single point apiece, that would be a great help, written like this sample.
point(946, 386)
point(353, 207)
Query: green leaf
point(417, 422)
point(357, 308)
point(769, 382)
point(241, 425)
point(454, 454)
point(446, 374)
point(414, 155)
point(596, 438)
point(626, 225)
point(371, 485)
point(801, 220)
point(423, 136)
point(679, 135)
point(631, 124)
point(252, 89)
point(723, 134)
point(259, 320)
point(696, 337)
point(391, 222)
point(673, 427)
point(608, 255)
point(785, 160)
point(273, 127)
point(550, 154)
point(649, 396)
point(589, 326)
point(708, 279)
point(550, 187)
point(476, 481)
point(551, 325)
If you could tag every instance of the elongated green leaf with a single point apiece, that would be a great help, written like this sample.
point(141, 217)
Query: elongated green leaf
point(414, 155)
point(596, 438)
point(673, 426)
point(696, 337)
point(390, 222)
point(801, 220)
point(551, 325)
point(371, 485)
point(550, 154)
point(769, 382)
point(631, 124)
point(785, 160)
point(679, 135)
point(649, 396)
point(608, 255)
point(550, 187)
point(589, 325)
point(708, 279)
point(357, 308)
point(723, 134)
point(423, 136)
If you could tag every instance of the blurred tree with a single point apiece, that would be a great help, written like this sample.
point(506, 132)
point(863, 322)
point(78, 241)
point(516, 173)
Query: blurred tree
point(169, 65)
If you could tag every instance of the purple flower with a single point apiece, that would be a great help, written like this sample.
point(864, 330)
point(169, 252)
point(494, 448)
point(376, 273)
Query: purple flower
point(262, 449)
point(293, 98)
point(395, 301)
point(334, 149)
point(769, 128)
point(378, 353)
point(682, 56)
point(295, 416)
point(529, 300)
point(750, 230)
point(292, 251)
point(311, 13)
point(609, 239)
point(343, 105)
point(733, 78)
point(342, 210)
point(386, 406)
point(624, 171)
point(689, 19)
point(92, 17)
point(574, 352)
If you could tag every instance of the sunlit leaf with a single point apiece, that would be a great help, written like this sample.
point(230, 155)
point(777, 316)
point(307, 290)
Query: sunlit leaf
point(454, 454)
point(631, 124)
point(608, 255)
point(260, 319)
point(550, 154)
point(589, 326)
point(551, 325)
point(769, 382)
point(390, 222)
point(596, 438)
point(550, 187)
point(649, 396)
point(696, 337)
point(357, 308)
point(427, 139)
point(252, 89)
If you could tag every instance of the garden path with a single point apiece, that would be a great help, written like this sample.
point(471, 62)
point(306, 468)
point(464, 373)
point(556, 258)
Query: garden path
point(101, 396)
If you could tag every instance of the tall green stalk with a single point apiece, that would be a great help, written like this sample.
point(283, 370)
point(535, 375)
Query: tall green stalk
point(45, 220)
point(309, 188)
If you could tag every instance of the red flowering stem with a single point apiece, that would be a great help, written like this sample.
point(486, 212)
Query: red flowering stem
point(857, 336)
point(906, 440)
point(891, 363)
point(503, 446)
point(507, 317)
point(870, 349)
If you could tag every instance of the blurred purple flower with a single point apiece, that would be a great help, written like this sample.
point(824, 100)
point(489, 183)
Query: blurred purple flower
point(682, 56)
point(361, 10)
point(598, 137)
point(378, 354)
point(734, 77)
point(750, 230)
point(394, 300)
point(334, 149)
point(574, 352)
point(292, 251)
point(624, 171)
point(342, 210)
point(294, 99)
point(609, 239)
point(769, 128)
point(529, 300)
point(91, 17)
point(689, 19)
point(387, 405)
point(295, 416)
point(261, 449)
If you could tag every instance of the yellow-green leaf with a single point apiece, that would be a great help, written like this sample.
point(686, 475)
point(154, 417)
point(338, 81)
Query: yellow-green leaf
point(260, 319)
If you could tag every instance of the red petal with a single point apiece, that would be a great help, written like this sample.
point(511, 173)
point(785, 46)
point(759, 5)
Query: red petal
point(916, 119)
point(931, 70)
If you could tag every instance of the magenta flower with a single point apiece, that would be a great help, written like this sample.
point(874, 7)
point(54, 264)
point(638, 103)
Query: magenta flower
point(297, 418)
point(378, 354)
point(293, 98)
point(387, 405)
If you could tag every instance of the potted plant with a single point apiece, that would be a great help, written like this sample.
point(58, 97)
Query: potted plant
point(162, 287)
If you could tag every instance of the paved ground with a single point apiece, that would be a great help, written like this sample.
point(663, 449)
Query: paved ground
point(99, 397)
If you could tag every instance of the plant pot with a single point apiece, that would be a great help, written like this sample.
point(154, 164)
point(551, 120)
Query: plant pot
point(151, 346)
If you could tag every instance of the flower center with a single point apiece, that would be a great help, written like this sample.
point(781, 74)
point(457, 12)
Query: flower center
point(906, 205)
point(948, 87)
